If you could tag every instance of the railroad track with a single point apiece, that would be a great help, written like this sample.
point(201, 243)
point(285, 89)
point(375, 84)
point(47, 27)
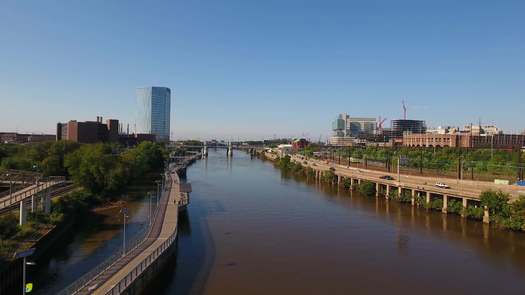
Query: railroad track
point(58, 191)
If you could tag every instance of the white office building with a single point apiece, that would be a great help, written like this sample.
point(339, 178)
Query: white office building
point(154, 111)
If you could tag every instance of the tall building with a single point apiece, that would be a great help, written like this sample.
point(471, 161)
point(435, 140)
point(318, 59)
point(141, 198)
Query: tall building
point(345, 125)
point(154, 112)
point(346, 129)
point(404, 126)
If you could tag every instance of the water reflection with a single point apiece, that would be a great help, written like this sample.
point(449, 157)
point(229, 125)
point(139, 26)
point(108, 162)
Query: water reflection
point(90, 243)
point(255, 230)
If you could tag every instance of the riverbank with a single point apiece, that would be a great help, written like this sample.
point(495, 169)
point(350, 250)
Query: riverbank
point(250, 223)
point(503, 213)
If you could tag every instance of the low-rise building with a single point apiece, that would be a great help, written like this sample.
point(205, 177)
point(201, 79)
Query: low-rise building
point(299, 144)
point(97, 131)
point(284, 150)
point(465, 140)
point(14, 137)
point(341, 141)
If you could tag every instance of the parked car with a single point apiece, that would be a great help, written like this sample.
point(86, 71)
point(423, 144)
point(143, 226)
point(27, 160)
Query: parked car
point(387, 177)
point(441, 185)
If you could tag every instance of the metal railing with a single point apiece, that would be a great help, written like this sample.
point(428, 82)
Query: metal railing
point(146, 262)
point(143, 265)
point(139, 244)
point(84, 280)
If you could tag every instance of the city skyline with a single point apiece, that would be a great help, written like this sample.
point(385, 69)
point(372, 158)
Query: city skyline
point(238, 76)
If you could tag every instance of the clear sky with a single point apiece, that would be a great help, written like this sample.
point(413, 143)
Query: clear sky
point(252, 68)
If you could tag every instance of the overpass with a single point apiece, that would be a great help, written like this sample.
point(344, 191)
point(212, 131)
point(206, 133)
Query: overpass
point(125, 268)
point(32, 194)
point(417, 186)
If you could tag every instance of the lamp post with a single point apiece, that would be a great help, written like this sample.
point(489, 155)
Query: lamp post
point(149, 195)
point(124, 212)
point(24, 255)
point(158, 192)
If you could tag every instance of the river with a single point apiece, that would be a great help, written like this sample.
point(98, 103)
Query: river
point(250, 229)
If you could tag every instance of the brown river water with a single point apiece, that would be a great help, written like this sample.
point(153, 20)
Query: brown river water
point(250, 229)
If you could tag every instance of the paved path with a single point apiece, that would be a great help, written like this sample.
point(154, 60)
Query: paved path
point(168, 227)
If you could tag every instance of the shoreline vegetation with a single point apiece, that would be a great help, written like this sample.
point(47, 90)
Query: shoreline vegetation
point(102, 173)
point(479, 164)
point(504, 215)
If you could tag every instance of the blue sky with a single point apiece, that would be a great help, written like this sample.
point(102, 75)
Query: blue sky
point(250, 69)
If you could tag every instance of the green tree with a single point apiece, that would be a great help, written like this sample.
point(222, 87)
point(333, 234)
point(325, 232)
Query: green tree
point(497, 202)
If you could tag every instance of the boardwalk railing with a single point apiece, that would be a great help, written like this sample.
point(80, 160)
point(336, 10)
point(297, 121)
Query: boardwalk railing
point(110, 261)
point(139, 269)
point(98, 276)
point(148, 260)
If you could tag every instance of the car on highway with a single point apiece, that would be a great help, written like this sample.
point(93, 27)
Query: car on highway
point(386, 177)
point(441, 185)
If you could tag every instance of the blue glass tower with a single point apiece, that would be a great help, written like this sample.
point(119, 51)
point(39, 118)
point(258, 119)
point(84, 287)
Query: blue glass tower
point(154, 111)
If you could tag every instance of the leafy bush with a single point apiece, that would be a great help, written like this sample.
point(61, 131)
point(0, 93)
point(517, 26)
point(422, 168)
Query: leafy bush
point(405, 198)
point(436, 204)
point(474, 212)
point(454, 206)
point(25, 231)
point(329, 176)
point(8, 226)
point(497, 203)
point(367, 188)
point(516, 219)
point(347, 183)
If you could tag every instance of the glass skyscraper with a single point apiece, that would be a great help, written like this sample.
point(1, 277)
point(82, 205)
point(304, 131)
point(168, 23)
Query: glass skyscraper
point(154, 111)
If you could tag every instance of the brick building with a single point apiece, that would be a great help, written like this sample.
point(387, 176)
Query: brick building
point(89, 131)
point(465, 140)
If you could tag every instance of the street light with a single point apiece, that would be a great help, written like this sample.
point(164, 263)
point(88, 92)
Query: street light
point(158, 182)
point(124, 212)
point(24, 255)
point(149, 195)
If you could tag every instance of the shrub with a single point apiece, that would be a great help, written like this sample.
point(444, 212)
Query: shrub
point(516, 220)
point(347, 183)
point(367, 188)
point(8, 226)
point(474, 212)
point(436, 204)
point(454, 206)
point(420, 201)
point(405, 198)
point(26, 231)
point(497, 203)
point(329, 176)
point(284, 162)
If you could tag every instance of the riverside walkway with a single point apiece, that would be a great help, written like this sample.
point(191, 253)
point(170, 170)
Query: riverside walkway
point(117, 274)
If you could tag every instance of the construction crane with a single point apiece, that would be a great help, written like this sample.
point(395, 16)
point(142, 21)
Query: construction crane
point(404, 110)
